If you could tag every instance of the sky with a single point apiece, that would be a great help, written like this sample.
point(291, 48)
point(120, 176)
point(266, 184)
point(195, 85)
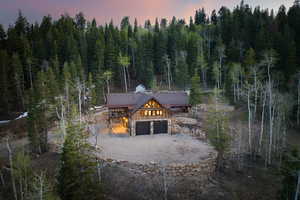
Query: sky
point(105, 10)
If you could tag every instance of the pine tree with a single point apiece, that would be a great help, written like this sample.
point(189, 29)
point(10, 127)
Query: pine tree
point(218, 134)
point(78, 167)
point(39, 116)
point(18, 80)
point(195, 93)
point(181, 75)
point(4, 82)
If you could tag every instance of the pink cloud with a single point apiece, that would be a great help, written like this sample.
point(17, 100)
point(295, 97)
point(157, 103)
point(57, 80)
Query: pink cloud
point(105, 10)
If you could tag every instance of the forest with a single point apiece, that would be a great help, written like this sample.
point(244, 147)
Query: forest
point(58, 69)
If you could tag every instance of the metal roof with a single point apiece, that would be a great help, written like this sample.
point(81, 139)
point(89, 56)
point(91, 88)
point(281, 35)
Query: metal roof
point(136, 100)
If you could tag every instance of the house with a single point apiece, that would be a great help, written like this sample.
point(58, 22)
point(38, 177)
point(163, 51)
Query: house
point(146, 113)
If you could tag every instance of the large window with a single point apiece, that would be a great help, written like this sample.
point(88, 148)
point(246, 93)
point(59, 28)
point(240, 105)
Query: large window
point(152, 113)
point(152, 104)
point(152, 109)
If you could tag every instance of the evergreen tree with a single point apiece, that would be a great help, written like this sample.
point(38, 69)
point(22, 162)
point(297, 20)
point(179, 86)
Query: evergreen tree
point(39, 115)
point(4, 83)
point(18, 79)
point(195, 92)
point(218, 134)
point(181, 74)
point(76, 179)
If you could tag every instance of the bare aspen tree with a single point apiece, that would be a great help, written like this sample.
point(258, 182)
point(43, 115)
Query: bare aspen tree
point(264, 98)
point(248, 93)
point(62, 116)
point(124, 62)
point(168, 71)
point(234, 75)
point(221, 55)
point(12, 174)
point(107, 75)
point(79, 87)
point(255, 74)
point(271, 120)
point(41, 188)
point(269, 60)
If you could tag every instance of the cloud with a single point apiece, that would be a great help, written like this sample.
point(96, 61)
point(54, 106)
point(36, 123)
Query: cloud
point(105, 10)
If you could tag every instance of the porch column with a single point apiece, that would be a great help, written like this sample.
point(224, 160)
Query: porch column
point(151, 128)
point(169, 126)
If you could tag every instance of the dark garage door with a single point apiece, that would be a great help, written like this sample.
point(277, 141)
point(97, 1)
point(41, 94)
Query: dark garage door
point(160, 127)
point(142, 128)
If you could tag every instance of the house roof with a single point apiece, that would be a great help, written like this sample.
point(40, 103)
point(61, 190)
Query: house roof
point(136, 100)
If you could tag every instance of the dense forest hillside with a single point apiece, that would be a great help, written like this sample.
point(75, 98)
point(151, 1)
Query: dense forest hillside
point(158, 53)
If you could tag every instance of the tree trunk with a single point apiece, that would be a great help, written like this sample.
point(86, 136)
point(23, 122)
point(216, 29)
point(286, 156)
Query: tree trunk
point(128, 76)
point(255, 95)
point(270, 117)
point(11, 170)
point(107, 85)
point(125, 81)
point(249, 121)
point(262, 122)
point(79, 88)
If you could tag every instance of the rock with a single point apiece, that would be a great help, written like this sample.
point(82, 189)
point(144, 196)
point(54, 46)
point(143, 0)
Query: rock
point(186, 121)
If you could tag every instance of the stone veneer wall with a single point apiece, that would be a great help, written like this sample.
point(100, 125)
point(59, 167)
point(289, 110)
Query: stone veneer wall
point(194, 130)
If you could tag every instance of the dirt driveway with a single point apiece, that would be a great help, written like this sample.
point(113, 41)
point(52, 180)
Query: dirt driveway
point(164, 148)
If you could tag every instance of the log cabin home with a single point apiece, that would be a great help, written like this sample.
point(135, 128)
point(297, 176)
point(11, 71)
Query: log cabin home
point(146, 113)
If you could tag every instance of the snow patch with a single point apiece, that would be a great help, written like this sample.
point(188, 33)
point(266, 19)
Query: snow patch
point(4, 121)
point(25, 114)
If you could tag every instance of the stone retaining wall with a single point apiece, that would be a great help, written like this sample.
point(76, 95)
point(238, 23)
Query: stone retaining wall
point(204, 168)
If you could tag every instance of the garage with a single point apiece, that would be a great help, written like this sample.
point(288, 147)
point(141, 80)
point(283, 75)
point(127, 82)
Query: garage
point(142, 128)
point(160, 127)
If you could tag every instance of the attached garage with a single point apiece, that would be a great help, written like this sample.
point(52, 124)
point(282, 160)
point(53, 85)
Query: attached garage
point(160, 127)
point(142, 128)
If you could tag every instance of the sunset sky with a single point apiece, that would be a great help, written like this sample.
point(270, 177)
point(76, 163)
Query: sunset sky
point(104, 10)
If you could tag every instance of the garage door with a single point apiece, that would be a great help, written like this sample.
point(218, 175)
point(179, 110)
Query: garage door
point(142, 128)
point(160, 127)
